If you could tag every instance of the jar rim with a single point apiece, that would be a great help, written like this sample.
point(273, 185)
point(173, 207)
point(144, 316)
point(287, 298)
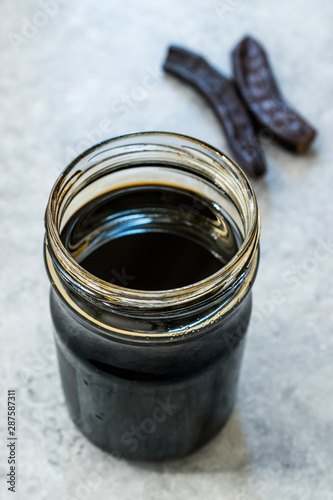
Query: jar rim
point(112, 293)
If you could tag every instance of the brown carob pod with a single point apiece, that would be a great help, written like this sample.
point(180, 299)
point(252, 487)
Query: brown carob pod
point(222, 95)
point(259, 90)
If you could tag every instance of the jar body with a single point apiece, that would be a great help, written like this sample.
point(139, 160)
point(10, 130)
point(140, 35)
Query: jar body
point(141, 411)
point(151, 374)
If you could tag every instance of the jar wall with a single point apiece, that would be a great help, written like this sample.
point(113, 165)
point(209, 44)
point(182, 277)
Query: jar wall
point(126, 405)
point(151, 373)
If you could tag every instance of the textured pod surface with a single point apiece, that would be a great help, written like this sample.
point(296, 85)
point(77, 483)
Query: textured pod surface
point(257, 86)
point(222, 95)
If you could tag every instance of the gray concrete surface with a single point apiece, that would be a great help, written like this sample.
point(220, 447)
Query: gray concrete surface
point(84, 71)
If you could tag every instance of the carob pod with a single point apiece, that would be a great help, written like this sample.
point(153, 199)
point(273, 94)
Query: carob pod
point(221, 93)
point(258, 88)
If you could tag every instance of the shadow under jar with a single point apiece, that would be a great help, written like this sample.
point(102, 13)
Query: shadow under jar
point(151, 248)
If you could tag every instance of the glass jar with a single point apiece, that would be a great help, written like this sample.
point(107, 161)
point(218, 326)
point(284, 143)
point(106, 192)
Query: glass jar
point(150, 375)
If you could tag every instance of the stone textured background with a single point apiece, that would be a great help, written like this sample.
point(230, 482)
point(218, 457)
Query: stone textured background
point(90, 70)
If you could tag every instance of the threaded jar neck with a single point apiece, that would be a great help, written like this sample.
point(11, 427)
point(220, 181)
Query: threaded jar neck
point(153, 157)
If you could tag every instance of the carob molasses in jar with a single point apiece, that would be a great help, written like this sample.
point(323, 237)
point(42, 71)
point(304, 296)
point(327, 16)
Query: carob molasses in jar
point(151, 248)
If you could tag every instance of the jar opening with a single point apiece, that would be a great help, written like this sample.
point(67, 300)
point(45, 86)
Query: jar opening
point(161, 161)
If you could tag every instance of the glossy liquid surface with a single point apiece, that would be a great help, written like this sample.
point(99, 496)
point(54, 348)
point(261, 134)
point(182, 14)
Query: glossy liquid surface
point(154, 237)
